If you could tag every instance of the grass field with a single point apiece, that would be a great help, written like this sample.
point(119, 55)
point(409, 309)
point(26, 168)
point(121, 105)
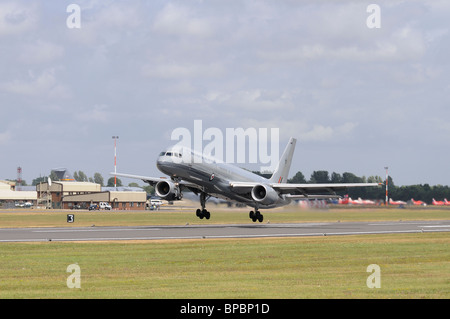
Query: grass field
point(219, 215)
point(412, 265)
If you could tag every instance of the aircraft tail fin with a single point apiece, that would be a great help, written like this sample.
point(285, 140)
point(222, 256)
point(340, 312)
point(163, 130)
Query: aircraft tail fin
point(280, 175)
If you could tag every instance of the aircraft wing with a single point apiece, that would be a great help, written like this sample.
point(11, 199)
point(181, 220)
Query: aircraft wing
point(301, 190)
point(147, 179)
point(154, 180)
point(316, 190)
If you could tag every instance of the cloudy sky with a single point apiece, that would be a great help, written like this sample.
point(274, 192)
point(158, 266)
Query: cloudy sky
point(357, 98)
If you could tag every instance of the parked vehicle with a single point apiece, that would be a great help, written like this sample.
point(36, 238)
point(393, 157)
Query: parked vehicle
point(155, 204)
point(101, 205)
point(94, 207)
point(104, 205)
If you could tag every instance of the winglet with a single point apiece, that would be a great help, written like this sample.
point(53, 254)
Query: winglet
point(280, 174)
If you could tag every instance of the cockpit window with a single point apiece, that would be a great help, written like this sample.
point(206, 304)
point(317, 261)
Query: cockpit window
point(174, 154)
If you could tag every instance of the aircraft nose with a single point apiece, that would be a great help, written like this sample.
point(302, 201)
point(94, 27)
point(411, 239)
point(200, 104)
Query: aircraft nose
point(160, 164)
point(161, 161)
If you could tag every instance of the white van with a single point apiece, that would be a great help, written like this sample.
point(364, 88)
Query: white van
point(104, 205)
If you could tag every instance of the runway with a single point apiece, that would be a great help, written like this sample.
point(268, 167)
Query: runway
point(218, 231)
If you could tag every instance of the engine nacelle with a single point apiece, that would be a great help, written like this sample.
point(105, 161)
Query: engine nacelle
point(168, 190)
point(264, 194)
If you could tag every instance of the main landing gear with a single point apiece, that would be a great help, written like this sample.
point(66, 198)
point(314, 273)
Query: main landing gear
point(203, 213)
point(256, 216)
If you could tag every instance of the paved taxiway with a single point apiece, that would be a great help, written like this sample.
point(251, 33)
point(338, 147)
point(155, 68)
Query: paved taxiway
point(219, 231)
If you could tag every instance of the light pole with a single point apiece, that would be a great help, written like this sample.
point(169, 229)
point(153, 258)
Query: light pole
point(387, 176)
point(115, 160)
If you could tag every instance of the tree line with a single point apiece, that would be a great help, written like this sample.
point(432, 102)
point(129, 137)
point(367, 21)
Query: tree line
point(80, 176)
point(424, 192)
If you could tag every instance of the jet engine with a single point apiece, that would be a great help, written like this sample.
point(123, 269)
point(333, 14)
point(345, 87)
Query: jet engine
point(168, 190)
point(264, 194)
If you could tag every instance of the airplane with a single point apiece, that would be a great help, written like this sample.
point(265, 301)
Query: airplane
point(344, 201)
point(418, 202)
point(207, 176)
point(348, 200)
point(365, 201)
point(396, 202)
point(446, 202)
point(438, 203)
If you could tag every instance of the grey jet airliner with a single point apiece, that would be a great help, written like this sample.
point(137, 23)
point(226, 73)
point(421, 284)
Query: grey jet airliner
point(207, 176)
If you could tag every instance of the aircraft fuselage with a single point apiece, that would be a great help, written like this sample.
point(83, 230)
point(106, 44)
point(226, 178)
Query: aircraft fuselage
point(212, 175)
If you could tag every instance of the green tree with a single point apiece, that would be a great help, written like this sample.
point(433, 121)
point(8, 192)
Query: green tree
point(336, 178)
point(80, 176)
point(351, 178)
point(133, 184)
point(320, 177)
point(39, 180)
point(53, 176)
point(149, 189)
point(374, 179)
point(111, 182)
point(98, 178)
point(298, 178)
point(22, 183)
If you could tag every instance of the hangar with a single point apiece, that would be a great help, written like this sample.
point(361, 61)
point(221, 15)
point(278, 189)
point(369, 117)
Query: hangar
point(79, 195)
point(10, 196)
point(118, 199)
point(51, 194)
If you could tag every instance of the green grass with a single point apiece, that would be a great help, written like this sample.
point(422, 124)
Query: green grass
point(219, 215)
point(412, 266)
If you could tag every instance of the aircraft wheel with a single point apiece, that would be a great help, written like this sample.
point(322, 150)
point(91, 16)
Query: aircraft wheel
point(206, 214)
point(198, 212)
point(251, 214)
point(260, 218)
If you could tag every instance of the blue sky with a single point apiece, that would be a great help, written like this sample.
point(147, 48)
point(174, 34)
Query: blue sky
point(358, 99)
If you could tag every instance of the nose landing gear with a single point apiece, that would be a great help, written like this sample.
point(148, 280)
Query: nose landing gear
point(203, 213)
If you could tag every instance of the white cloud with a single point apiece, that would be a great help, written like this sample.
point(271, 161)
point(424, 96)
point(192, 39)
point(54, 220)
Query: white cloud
point(181, 70)
point(98, 113)
point(310, 68)
point(404, 44)
point(5, 137)
point(40, 51)
point(17, 18)
point(106, 23)
point(180, 20)
point(43, 85)
point(252, 100)
point(118, 15)
point(321, 133)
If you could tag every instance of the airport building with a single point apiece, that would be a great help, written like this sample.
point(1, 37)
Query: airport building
point(9, 197)
point(80, 195)
point(120, 200)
